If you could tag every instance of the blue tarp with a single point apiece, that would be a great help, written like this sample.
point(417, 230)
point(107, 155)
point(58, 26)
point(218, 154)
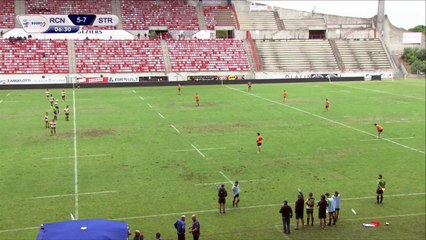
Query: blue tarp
point(92, 229)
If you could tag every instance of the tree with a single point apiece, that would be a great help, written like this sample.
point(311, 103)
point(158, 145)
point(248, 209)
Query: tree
point(418, 28)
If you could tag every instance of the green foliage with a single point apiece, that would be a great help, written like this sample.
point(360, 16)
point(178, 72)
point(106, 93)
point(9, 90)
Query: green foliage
point(418, 28)
point(416, 57)
point(221, 34)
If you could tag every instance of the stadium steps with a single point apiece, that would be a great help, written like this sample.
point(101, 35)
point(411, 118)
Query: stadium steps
point(304, 23)
point(19, 11)
point(72, 67)
point(116, 10)
point(250, 55)
point(261, 20)
point(279, 21)
point(166, 56)
point(201, 17)
point(337, 54)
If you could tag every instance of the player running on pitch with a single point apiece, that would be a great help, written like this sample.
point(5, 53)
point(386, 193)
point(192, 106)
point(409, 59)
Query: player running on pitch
point(284, 96)
point(236, 193)
point(259, 142)
point(379, 129)
point(57, 105)
point(51, 100)
point(197, 100)
point(249, 83)
point(381, 183)
point(327, 104)
point(179, 88)
point(67, 113)
point(53, 126)
point(47, 94)
point(63, 95)
point(46, 120)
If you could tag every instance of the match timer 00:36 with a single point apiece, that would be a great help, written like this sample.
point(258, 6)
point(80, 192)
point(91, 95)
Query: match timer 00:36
point(64, 23)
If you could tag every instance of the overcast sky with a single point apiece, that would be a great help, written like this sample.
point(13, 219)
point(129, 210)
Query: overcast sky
point(404, 14)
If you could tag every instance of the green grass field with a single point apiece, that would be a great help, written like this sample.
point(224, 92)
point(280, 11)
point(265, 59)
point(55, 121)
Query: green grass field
point(147, 155)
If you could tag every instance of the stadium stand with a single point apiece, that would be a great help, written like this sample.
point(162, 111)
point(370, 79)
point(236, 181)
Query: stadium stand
point(118, 56)
point(33, 56)
point(303, 23)
point(175, 14)
point(219, 16)
point(367, 54)
point(7, 14)
point(68, 7)
point(296, 55)
point(208, 55)
point(261, 20)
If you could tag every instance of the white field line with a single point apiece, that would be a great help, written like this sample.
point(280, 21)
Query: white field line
point(227, 178)
point(393, 195)
point(133, 91)
point(279, 228)
point(142, 98)
point(401, 102)
point(240, 181)
point(81, 156)
point(204, 156)
point(75, 157)
point(388, 216)
point(212, 210)
point(1, 101)
point(7, 95)
point(161, 115)
point(326, 119)
point(379, 91)
point(68, 195)
point(375, 139)
point(201, 149)
point(149, 105)
point(175, 129)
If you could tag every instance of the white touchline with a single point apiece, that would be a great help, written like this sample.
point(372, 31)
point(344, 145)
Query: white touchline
point(141, 98)
point(81, 156)
point(388, 216)
point(213, 210)
point(7, 95)
point(1, 101)
point(373, 90)
point(161, 115)
point(402, 102)
point(375, 139)
point(75, 158)
point(204, 156)
point(68, 195)
point(149, 105)
point(133, 91)
point(240, 181)
point(201, 149)
point(326, 119)
point(175, 129)
point(227, 178)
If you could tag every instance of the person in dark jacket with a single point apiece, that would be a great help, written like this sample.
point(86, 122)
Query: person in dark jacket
point(286, 213)
point(298, 209)
point(222, 194)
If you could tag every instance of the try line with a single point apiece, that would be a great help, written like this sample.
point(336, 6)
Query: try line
point(75, 156)
point(326, 119)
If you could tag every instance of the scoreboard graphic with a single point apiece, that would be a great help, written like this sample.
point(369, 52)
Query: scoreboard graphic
point(64, 23)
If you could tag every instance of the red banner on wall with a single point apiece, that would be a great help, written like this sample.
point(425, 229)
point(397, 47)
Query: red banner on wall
point(93, 80)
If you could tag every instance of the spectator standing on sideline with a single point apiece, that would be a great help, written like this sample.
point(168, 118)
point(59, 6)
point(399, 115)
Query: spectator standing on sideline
point(180, 227)
point(322, 207)
point(236, 193)
point(331, 209)
point(337, 202)
point(286, 213)
point(222, 194)
point(381, 183)
point(138, 235)
point(195, 228)
point(310, 203)
point(158, 236)
point(299, 209)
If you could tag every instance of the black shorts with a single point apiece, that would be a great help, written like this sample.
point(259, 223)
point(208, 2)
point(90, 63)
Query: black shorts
point(299, 214)
point(237, 196)
point(337, 209)
point(222, 200)
point(259, 144)
point(309, 210)
point(321, 214)
point(379, 191)
point(380, 131)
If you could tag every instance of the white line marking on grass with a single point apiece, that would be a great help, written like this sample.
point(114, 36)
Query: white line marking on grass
point(379, 91)
point(69, 195)
point(75, 157)
point(175, 129)
point(201, 149)
point(375, 139)
point(240, 181)
point(1, 101)
point(159, 114)
point(280, 230)
point(133, 91)
point(7, 95)
point(149, 105)
point(18, 229)
point(81, 156)
point(326, 119)
point(401, 102)
point(388, 216)
point(204, 156)
point(227, 178)
point(392, 195)
point(72, 216)
point(142, 98)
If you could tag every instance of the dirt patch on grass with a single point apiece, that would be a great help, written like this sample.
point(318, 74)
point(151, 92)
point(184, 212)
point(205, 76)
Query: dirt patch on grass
point(96, 132)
